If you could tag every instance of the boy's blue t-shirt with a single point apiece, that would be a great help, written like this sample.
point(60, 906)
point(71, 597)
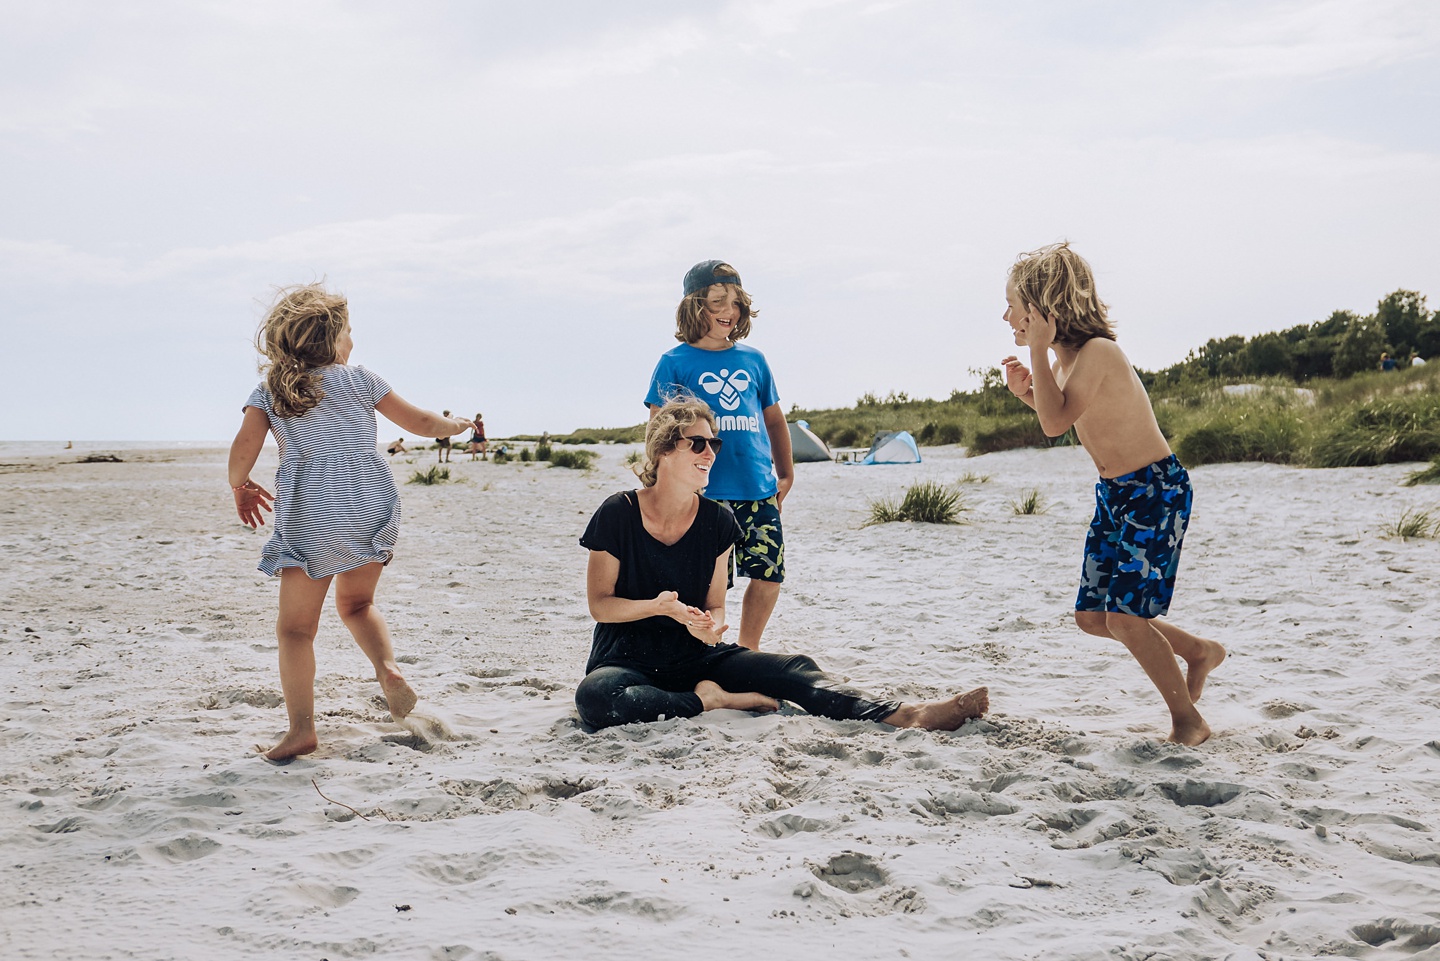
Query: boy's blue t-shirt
point(738, 386)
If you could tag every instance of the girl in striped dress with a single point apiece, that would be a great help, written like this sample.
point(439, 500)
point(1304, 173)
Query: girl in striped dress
point(335, 503)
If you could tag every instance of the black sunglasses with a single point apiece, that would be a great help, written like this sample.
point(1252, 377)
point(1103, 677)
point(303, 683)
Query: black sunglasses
point(698, 443)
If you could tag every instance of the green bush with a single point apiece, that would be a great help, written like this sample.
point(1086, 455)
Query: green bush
point(1389, 431)
point(573, 459)
point(1258, 432)
point(1009, 435)
point(927, 502)
point(525, 455)
point(542, 450)
point(435, 475)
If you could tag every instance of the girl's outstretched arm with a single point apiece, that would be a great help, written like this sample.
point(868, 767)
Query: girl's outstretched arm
point(417, 420)
point(250, 497)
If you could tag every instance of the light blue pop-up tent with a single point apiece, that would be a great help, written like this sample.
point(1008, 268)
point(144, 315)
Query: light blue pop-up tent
point(893, 447)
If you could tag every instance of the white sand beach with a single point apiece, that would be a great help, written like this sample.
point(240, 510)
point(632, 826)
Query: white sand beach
point(137, 821)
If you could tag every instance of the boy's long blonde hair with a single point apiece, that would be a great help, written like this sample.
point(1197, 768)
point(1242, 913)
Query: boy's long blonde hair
point(690, 322)
point(1060, 284)
point(297, 337)
point(677, 415)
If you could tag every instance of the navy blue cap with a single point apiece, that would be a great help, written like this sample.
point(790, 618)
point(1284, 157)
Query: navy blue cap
point(702, 275)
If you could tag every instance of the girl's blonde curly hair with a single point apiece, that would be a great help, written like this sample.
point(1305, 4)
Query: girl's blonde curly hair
point(676, 416)
point(1059, 283)
point(299, 335)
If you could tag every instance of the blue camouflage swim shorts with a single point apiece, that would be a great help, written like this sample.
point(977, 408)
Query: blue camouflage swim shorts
point(760, 554)
point(1133, 548)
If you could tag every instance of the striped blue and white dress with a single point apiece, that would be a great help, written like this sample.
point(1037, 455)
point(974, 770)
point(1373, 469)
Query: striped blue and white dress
point(336, 506)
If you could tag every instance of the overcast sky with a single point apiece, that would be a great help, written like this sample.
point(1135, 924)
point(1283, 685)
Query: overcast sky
point(509, 193)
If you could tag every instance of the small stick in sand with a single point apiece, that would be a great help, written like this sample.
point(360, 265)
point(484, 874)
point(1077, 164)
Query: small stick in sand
point(343, 804)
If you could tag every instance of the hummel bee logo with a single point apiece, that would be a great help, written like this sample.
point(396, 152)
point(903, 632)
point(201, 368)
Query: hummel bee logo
point(729, 386)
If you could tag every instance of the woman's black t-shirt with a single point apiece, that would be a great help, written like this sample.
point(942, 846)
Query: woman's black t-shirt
point(648, 567)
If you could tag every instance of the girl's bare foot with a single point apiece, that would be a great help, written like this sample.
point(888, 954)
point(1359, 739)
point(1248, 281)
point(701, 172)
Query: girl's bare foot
point(946, 715)
point(293, 744)
point(1212, 653)
point(1191, 733)
point(398, 695)
point(713, 697)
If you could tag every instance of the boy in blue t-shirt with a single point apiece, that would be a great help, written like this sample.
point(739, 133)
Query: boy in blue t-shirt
point(753, 471)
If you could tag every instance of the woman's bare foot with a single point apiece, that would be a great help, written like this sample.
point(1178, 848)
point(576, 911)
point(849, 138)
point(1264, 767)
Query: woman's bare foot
point(1212, 653)
point(1192, 733)
point(398, 695)
point(946, 715)
point(293, 744)
point(713, 697)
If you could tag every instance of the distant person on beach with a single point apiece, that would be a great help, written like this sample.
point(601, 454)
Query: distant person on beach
point(336, 507)
point(478, 443)
point(755, 471)
point(1387, 362)
point(442, 445)
point(656, 585)
point(1143, 496)
point(397, 448)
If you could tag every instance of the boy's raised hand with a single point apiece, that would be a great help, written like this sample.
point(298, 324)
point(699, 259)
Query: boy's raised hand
point(1017, 376)
point(1039, 331)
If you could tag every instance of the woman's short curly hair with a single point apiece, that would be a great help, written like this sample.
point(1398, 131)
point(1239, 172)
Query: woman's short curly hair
point(676, 416)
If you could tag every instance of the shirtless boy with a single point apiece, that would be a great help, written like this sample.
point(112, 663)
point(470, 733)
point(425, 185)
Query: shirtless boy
point(1142, 499)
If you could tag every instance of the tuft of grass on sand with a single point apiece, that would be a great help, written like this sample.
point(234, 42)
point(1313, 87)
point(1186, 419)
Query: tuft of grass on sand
point(970, 477)
point(573, 459)
point(1029, 503)
point(1411, 525)
point(1426, 475)
point(435, 475)
point(633, 458)
point(927, 502)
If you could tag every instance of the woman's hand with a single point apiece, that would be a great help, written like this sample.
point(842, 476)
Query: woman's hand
point(250, 498)
point(703, 628)
point(668, 604)
point(1017, 376)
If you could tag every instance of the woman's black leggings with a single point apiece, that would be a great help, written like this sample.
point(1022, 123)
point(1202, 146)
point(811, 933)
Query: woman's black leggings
point(619, 694)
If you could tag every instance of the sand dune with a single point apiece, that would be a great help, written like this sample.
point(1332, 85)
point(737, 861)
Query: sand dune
point(139, 677)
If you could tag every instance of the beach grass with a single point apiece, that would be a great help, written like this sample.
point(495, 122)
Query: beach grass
point(1412, 524)
point(435, 475)
point(1428, 475)
point(573, 459)
point(1029, 503)
point(927, 502)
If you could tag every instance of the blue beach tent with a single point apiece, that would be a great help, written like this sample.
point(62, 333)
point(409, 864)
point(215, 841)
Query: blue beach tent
point(893, 447)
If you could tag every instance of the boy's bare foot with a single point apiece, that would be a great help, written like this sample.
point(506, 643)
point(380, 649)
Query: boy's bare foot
point(946, 715)
point(398, 696)
point(293, 744)
point(1191, 734)
point(713, 697)
point(1212, 653)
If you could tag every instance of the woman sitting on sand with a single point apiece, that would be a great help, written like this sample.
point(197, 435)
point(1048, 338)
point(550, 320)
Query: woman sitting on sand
point(659, 558)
